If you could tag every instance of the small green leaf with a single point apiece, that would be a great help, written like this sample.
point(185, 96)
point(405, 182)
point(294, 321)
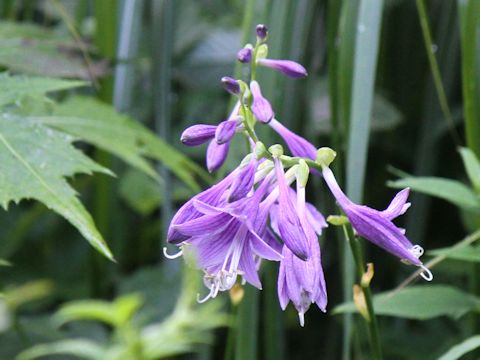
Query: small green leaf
point(4, 262)
point(420, 303)
point(115, 313)
point(472, 166)
point(81, 348)
point(457, 351)
point(450, 190)
point(28, 292)
point(35, 161)
point(14, 88)
point(465, 253)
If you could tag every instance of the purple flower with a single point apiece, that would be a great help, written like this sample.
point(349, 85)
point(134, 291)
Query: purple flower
point(261, 31)
point(226, 240)
point(286, 67)
point(245, 55)
point(290, 227)
point(261, 107)
point(198, 134)
point(377, 226)
point(303, 282)
point(231, 85)
point(297, 144)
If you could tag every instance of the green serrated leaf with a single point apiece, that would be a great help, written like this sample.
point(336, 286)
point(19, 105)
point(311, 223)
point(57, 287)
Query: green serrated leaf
point(450, 190)
point(464, 253)
point(457, 351)
point(81, 348)
point(420, 303)
point(35, 160)
point(99, 124)
point(47, 59)
point(14, 88)
point(472, 166)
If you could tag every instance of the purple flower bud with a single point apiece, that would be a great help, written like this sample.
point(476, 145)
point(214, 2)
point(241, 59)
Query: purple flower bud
point(245, 55)
point(262, 31)
point(197, 134)
point(225, 131)
point(261, 108)
point(286, 67)
point(243, 183)
point(216, 155)
point(231, 85)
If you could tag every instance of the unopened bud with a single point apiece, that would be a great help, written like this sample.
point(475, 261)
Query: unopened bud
point(262, 31)
point(231, 85)
point(245, 55)
point(225, 131)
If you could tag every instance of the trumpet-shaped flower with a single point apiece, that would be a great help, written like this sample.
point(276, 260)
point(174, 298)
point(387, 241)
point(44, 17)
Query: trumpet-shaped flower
point(226, 240)
point(377, 226)
point(303, 282)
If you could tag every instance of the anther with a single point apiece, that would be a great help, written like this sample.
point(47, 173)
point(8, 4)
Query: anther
point(174, 256)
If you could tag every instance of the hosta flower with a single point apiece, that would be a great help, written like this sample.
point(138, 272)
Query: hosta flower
point(226, 240)
point(261, 107)
point(377, 226)
point(290, 228)
point(302, 281)
point(286, 67)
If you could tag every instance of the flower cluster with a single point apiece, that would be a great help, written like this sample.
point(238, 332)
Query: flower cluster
point(255, 213)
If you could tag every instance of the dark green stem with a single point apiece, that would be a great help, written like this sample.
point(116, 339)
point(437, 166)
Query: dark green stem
point(357, 252)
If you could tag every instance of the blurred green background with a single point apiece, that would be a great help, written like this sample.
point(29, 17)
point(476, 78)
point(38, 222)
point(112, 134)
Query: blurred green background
point(393, 86)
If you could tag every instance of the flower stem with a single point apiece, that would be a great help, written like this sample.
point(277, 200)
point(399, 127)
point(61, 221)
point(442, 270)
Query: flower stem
point(357, 252)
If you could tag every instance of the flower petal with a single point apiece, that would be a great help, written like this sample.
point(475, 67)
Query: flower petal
point(398, 206)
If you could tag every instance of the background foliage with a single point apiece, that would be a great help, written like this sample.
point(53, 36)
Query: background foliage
point(93, 97)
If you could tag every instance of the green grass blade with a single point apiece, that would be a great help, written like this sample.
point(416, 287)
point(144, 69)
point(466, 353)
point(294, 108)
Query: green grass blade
point(469, 11)
point(435, 69)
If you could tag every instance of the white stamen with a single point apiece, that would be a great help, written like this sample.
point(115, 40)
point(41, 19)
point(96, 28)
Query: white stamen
point(301, 317)
point(174, 256)
point(201, 301)
point(426, 273)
